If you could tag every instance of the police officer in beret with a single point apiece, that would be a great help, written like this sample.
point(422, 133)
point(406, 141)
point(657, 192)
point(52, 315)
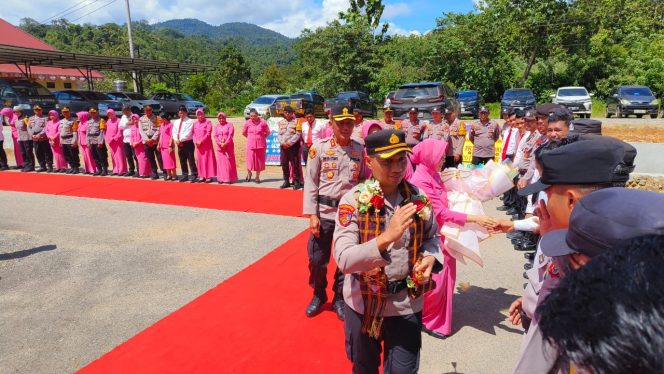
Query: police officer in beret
point(335, 166)
point(386, 242)
point(483, 134)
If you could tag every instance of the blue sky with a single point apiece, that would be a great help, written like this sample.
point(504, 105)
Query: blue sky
point(288, 17)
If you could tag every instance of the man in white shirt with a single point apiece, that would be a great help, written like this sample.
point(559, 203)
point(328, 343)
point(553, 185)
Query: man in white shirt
point(126, 142)
point(183, 138)
point(311, 133)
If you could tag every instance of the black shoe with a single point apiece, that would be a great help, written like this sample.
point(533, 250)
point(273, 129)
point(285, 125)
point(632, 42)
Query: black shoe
point(434, 333)
point(28, 170)
point(75, 171)
point(515, 235)
point(49, 169)
point(314, 305)
point(104, 172)
point(530, 256)
point(527, 266)
point(154, 176)
point(503, 208)
point(285, 185)
point(41, 170)
point(525, 247)
point(338, 307)
point(183, 179)
point(297, 186)
point(525, 275)
point(511, 212)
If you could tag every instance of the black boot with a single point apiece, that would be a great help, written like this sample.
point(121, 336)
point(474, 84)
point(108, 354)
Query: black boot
point(97, 172)
point(315, 304)
point(338, 307)
point(285, 185)
point(297, 185)
point(104, 171)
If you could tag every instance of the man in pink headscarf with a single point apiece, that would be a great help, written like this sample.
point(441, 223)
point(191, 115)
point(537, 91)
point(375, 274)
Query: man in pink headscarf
point(429, 156)
point(11, 121)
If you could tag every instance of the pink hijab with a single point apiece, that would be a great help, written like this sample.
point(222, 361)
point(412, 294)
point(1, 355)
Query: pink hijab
point(83, 117)
point(427, 154)
point(368, 125)
point(7, 112)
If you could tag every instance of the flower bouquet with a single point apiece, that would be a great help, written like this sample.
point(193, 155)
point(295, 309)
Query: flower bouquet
point(369, 195)
point(466, 190)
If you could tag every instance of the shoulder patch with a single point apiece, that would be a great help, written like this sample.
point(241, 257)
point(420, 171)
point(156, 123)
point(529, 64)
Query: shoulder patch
point(346, 214)
point(312, 152)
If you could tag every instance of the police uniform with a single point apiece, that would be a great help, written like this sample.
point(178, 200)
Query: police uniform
point(332, 170)
point(69, 141)
point(441, 131)
point(484, 136)
point(381, 308)
point(455, 145)
point(25, 143)
point(288, 137)
point(37, 131)
point(392, 125)
point(148, 127)
point(97, 145)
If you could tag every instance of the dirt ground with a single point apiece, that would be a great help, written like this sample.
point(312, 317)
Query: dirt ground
point(635, 133)
point(649, 183)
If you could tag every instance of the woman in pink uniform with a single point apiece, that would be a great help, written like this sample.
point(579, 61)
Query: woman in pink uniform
point(114, 139)
point(223, 136)
point(88, 161)
point(166, 147)
point(52, 132)
point(11, 120)
point(207, 167)
point(429, 156)
point(256, 131)
point(144, 169)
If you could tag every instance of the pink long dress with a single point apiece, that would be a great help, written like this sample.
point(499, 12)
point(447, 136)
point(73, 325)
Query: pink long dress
point(165, 142)
point(144, 168)
point(53, 132)
point(256, 134)
point(226, 167)
point(207, 167)
point(113, 137)
point(437, 311)
point(11, 119)
point(88, 161)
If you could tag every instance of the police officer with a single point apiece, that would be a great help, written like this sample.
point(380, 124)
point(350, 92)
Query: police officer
point(358, 123)
point(483, 134)
point(335, 166)
point(96, 142)
point(412, 127)
point(37, 131)
point(388, 119)
point(454, 155)
point(148, 127)
point(387, 249)
point(288, 137)
point(69, 140)
point(24, 141)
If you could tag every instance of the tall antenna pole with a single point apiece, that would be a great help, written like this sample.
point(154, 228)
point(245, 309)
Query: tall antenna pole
point(131, 45)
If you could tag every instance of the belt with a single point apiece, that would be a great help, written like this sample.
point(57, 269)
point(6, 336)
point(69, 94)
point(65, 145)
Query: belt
point(394, 287)
point(67, 136)
point(93, 133)
point(334, 203)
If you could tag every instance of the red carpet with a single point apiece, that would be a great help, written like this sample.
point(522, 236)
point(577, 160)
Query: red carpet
point(198, 195)
point(253, 322)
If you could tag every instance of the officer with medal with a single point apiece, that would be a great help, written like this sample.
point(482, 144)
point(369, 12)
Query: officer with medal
point(386, 242)
point(440, 129)
point(412, 127)
point(484, 134)
point(148, 127)
point(335, 166)
point(96, 142)
point(388, 119)
point(289, 136)
point(37, 130)
point(69, 140)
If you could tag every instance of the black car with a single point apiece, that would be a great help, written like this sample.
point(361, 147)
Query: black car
point(78, 101)
point(518, 98)
point(424, 96)
point(469, 102)
point(637, 100)
point(26, 94)
point(353, 99)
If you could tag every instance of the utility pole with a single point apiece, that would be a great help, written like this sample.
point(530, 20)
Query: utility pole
point(131, 45)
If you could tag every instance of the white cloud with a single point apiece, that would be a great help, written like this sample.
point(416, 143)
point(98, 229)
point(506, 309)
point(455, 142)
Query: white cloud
point(392, 11)
point(396, 30)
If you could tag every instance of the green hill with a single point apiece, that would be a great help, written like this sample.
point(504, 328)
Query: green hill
point(246, 32)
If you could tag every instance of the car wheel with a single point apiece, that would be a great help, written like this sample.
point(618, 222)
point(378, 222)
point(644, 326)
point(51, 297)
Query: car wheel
point(653, 116)
point(639, 116)
point(608, 114)
point(618, 113)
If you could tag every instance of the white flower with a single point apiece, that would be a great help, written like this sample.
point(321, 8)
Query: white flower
point(364, 198)
point(426, 213)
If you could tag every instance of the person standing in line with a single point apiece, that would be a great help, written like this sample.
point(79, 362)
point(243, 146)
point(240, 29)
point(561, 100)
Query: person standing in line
point(69, 141)
point(457, 127)
point(311, 133)
point(183, 137)
point(52, 132)
point(128, 150)
point(96, 143)
point(202, 135)
point(10, 115)
point(484, 134)
point(3, 155)
point(388, 119)
point(358, 122)
point(24, 140)
point(223, 136)
point(166, 147)
point(88, 162)
point(149, 129)
point(144, 166)
point(256, 131)
point(37, 131)
point(289, 139)
point(413, 127)
point(114, 138)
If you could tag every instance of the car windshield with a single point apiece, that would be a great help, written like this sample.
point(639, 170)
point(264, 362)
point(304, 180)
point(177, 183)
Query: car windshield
point(418, 91)
point(136, 96)
point(91, 95)
point(347, 95)
point(572, 92)
point(264, 100)
point(31, 91)
point(467, 95)
point(183, 97)
point(301, 96)
point(636, 91)
point(517, 93)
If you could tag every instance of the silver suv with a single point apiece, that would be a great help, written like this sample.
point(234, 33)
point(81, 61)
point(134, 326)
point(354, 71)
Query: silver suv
point(135, 100)
point(576, 99)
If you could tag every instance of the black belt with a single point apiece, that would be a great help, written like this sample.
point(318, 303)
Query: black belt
point(93, 134)
point(394, 287)
point(328, 201)
point(67, 136)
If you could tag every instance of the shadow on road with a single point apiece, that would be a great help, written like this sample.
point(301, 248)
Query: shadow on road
point(480, 308)
point(26, 252)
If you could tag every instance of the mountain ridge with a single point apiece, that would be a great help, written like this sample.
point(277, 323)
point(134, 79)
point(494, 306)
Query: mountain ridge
point(250, 33)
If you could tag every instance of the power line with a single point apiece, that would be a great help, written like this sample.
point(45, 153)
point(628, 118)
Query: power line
point(100, 8)
point(71, 10)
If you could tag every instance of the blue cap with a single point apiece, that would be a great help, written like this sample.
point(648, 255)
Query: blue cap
point(605, 219)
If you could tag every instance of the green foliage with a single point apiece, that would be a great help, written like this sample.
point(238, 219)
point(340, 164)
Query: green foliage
point(272, 81)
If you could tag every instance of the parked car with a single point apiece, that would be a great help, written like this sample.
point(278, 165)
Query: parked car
point(262, 105)
point(576, 99)
point(136, 100)
point(300, 102)
point(78, 101)
point(470, 102)
point(26, 94)
point(637, 100)
point(171, 102)
point(353, 99)
point(388, 99)
point(518, 98)
point(424, 96)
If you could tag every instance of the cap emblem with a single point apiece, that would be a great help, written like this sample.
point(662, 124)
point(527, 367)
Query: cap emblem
point(394, 139)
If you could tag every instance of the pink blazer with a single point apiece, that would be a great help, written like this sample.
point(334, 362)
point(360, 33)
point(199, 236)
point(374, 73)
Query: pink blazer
point(224, 132)
point(256, 134)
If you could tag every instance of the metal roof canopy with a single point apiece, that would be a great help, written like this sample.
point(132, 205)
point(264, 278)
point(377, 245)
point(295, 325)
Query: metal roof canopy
point(86, 63)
